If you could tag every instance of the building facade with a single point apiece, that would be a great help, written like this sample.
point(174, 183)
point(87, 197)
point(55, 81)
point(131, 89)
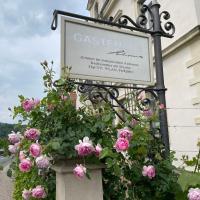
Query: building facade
point(181, 59)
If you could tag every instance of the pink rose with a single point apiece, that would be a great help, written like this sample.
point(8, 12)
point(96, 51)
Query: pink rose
point(162, 106)
point(35, 150)
point(149, 171)
point(79, 171)
point(98, 150)
point(84, 147)
point(32, 134)
point(28, 105)
point(14, 137)
point(26, 194)
point(39, 192)
point(142, 95)
point(194, 194)
point(63, 97)
point(134, 122)
point(25, 165)
point(147, 113)
point(13, 148)
point(36, 102)
point(21, 155)
point(42, 162)
point(122, 144)
point(125, 133)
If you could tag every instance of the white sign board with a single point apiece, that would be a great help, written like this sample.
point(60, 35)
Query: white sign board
point(104, 53)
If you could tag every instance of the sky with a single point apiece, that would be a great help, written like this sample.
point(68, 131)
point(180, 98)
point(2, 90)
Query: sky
point(26, 40)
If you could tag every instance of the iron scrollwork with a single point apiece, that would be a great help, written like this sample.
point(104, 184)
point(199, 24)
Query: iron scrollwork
point(146, 18)
point(167, 27)
point(110, 94)
point(142, 22)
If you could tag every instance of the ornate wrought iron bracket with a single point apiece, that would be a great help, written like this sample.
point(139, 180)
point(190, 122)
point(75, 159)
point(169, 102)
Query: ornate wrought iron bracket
point(143, 23)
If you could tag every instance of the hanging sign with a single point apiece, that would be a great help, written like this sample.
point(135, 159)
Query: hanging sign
point(103, 53)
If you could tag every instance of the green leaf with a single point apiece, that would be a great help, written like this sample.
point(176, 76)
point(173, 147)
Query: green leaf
point(187, 179)
point(55, 145)
point(117, 170)
point(107, 117)
point(109, 162)
point(106, 152)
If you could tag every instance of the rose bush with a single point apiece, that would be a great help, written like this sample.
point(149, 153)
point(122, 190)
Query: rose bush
point(55, 130)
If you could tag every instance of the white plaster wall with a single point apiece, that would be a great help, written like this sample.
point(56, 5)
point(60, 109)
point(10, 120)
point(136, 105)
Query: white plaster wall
point(183, 15)
point(127, 6)
point(179, 95)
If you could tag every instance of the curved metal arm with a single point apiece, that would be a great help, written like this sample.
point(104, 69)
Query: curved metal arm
point(167, 27)
point(124, 19)
point(143, 20)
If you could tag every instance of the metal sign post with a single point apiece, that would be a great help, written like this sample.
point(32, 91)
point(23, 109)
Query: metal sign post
point(149, 21)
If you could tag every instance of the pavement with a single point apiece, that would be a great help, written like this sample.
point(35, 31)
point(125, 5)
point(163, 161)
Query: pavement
point(6, 185)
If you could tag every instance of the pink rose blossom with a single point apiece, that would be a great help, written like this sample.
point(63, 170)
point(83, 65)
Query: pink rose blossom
point(26, 194)
point(98, 150)
point(125, 133)
point(147, 113)
point(162, 106)
point(14, 137)
point(21, 155)
point(28, 105)
point(122, 144)
point(13, 148)
point(42, 162)
point(194, 194)
point(79, 171)
point(32, 134)
point(35, 150)
point(39, 192)
point(84, 147)
point(142, 95)
point(149, 171)
point(134, 122)
point(63, 97)
point(25, 165)
point(36, 102)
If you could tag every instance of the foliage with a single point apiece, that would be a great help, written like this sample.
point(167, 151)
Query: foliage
point(4, 145)
point(188, 179)
point(5, 129)
point(62, 126)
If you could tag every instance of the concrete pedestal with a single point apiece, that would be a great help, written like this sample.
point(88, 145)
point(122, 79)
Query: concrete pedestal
point(68, 187)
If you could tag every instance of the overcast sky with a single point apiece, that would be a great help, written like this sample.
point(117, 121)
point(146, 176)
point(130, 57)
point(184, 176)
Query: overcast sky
point(25, 40)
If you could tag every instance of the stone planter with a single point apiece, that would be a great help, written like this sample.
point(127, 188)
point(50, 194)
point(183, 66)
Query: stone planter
point(68, 187)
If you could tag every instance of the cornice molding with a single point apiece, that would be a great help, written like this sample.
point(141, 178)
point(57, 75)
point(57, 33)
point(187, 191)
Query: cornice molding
point(181, 41)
